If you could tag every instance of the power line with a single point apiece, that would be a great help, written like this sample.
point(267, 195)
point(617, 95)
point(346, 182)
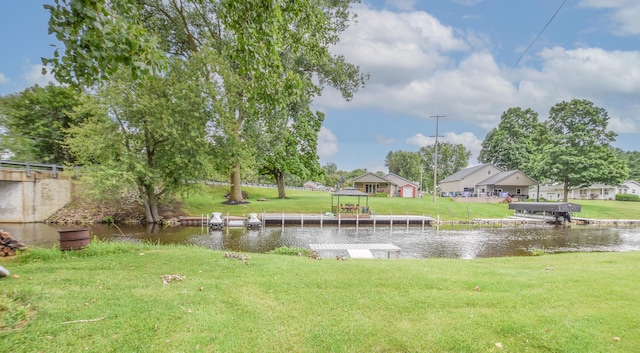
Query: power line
point(539, 34)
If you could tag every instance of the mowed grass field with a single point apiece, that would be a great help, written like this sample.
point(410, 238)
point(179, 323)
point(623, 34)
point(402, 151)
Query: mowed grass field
point(208, 199)
point(110, 297)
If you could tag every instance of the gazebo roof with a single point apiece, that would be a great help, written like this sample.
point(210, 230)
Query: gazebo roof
point(349, 192)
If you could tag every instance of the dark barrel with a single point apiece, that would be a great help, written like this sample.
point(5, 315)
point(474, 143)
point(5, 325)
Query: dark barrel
point(72, 239)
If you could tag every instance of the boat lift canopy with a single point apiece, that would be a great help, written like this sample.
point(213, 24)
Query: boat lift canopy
point(553, 207)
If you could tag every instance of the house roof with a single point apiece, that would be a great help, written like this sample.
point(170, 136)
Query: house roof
point(463, 173)
point(497, 178)
point(398, 180)
point(370, 178)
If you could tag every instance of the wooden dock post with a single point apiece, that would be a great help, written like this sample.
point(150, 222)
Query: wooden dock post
point(407, 221)
point(282, 219)
point(320, 220)
point(302, 221)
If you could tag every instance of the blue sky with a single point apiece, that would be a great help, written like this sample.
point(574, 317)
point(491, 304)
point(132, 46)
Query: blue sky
point(455, 58)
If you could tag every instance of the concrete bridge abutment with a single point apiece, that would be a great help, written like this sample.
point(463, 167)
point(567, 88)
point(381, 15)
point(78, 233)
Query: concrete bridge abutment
point(32, 197)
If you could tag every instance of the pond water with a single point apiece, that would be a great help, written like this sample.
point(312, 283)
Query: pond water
point(415, 242)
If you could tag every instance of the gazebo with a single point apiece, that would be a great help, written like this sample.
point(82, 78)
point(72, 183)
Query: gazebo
point(349, 207)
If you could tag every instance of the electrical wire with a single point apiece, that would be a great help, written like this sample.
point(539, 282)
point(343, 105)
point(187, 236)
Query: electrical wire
point(540, 33)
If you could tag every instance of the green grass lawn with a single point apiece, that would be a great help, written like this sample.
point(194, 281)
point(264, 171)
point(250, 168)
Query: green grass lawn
point(110, 298)
point(209, 199)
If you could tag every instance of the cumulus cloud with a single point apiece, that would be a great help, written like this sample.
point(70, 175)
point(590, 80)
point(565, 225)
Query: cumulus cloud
point(327, 143)
point(420, 67)
point(623, 13)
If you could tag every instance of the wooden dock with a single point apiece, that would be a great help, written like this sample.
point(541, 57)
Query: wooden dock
point(359, 251)
point(275, 219)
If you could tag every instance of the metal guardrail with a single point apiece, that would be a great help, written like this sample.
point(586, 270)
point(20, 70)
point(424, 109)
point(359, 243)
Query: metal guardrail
point(28, 167)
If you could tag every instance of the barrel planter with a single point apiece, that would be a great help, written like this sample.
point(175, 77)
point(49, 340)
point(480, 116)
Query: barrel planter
point(73, 239)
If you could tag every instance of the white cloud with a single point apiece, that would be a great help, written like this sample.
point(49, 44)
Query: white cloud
point(420, 68)
point(34, 76)
point(624, 14)
point(327, 143)
point(3, 79)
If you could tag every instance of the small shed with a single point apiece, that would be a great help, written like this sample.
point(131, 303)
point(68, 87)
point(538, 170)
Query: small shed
point(349, 194)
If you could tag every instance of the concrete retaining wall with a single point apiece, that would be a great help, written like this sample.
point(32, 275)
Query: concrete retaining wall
point(33, 198)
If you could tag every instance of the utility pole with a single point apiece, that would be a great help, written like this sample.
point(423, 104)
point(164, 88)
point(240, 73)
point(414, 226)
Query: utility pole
point(435, 158)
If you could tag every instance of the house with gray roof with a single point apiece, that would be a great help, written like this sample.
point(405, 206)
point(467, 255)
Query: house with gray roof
point(486, 180)
point(391, 184)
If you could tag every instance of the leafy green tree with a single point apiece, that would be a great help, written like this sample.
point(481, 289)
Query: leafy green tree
point(408, 165)
point(510, 145)
point(36, 121)
point(575, 147)
point(633, 162)
point(147, 138)
point(253, 41)
point(451, 158)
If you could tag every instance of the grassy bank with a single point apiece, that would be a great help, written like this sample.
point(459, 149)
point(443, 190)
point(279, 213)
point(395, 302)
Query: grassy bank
point(209, 199)
point(111, 298)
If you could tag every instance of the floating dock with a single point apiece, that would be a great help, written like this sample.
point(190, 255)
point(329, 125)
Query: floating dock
point(357, 251)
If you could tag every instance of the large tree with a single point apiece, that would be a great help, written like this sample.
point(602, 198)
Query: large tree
point(511, 144)
point(575, 147)
point(147, 138)
point(255, 39)
point(633, 162)
point(451, 158)
point(406, 164)
point(290, 146)
point(36, 121)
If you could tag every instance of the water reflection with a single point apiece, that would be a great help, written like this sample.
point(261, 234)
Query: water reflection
point(415, 242)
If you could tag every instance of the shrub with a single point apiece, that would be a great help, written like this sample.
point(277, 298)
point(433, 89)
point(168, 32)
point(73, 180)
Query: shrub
point(291, 251)
point(627, 197)
point(538, 252)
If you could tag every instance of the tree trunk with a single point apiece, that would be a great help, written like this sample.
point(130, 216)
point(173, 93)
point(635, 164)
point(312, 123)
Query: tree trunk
point(279, 176)
point(151, 205)
point(566, 192)
point(235, 192)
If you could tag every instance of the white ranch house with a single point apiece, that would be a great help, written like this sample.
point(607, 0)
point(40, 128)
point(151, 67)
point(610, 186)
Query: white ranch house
point(592, 192)
point(486, 180)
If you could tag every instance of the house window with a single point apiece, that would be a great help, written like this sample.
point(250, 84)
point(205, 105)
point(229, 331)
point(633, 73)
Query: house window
point(370, 188)
point(488, 172)
point(518, 191)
